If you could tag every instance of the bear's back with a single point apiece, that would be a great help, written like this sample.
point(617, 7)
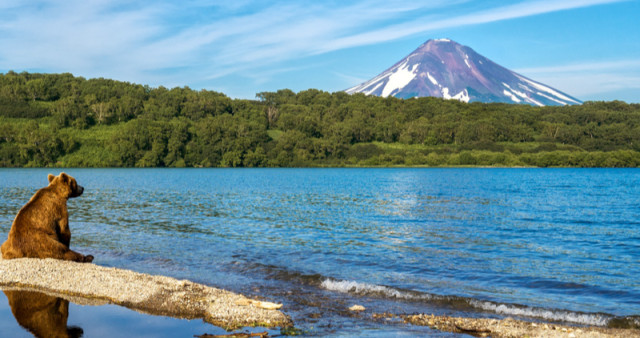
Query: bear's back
point(42, 211)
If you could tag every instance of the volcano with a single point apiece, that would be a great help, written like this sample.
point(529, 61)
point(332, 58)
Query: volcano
point(447, 69)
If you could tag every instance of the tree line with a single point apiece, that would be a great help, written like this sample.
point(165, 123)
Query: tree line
point(61, 120)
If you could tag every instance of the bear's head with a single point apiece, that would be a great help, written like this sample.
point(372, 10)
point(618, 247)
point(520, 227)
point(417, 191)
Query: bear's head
point(67, 184)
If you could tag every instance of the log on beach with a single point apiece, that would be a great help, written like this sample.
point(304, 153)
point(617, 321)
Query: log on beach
point(92, 284)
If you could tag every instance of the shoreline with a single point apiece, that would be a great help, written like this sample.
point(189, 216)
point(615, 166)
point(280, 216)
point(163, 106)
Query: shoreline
point(350, 166)
point(91, 284)
point(509, 327)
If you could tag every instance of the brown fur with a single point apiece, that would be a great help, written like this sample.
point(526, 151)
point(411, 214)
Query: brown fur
point(41, 228)
point(42, 315)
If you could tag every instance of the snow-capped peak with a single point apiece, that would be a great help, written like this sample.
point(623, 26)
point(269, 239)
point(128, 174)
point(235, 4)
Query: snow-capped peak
point(444, 68)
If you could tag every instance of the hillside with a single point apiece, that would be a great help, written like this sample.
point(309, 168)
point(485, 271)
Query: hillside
point(59, 120)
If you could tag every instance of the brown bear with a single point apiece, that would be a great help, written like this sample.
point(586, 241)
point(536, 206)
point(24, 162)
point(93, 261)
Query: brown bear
point(41, 228)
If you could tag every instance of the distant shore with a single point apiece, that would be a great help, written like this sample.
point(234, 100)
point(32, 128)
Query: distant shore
point(107, 123)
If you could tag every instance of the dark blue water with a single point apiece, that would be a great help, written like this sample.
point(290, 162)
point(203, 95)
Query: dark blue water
point(553, 244)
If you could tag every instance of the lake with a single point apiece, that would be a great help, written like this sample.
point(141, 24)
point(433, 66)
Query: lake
point(540, 244)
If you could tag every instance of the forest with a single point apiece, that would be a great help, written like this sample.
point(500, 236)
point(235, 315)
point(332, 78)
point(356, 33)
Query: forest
point(61, 120)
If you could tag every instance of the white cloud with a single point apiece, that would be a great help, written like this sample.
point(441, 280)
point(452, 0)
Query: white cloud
point(74, 35)
point(433, 23)
point(350, 78)
point(588, 79)
point(173, 43)
point(584, 66)
point(141, 41)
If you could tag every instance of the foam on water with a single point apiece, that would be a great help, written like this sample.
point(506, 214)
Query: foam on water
point(557, 315)
point(547, 314)
point(365, 289)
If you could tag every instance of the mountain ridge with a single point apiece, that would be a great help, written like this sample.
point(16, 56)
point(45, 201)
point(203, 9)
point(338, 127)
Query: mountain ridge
point(447, 69)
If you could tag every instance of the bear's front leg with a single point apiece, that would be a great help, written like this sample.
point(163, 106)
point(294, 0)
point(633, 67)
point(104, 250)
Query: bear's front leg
point(77, 257)
point(61, 251)
point(63, 232)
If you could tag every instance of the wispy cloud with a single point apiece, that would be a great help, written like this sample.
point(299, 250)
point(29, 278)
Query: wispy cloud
point(144, 41)
point(350, 78)
point(589, 78)
point(435, 22)
point(283, 32)
point(279, 33)
point(74, 35)
point(164, 42)
point(622, 65)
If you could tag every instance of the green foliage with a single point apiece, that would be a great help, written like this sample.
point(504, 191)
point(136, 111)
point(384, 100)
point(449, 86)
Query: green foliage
point(62, 120)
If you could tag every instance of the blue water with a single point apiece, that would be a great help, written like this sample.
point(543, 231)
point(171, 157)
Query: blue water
point(552, 244)
point(112, 321)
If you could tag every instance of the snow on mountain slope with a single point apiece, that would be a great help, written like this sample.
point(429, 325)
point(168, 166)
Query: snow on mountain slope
point(444, 68)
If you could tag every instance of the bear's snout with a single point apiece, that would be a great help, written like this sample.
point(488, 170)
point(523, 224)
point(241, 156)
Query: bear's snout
point(79, 190)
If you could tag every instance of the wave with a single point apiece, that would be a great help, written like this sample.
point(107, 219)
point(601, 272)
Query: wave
point(448, 301)
point(365, 289)
point(594, 319)
point(556, 315)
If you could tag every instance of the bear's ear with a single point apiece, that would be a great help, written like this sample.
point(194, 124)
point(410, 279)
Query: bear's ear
point(64, 177)
point(50, 178)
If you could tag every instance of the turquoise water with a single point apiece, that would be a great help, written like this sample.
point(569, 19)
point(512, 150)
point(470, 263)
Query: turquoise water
point(552, 244)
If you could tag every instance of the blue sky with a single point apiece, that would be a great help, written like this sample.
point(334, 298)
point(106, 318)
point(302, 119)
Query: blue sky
point(587, 48)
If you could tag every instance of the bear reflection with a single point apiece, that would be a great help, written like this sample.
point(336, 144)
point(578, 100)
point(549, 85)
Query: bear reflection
point(41, 314)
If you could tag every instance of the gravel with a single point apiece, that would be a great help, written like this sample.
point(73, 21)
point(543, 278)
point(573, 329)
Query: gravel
point(157, 295)
point(483, 327)
point(90, 284)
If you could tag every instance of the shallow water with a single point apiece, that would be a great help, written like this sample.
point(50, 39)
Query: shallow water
point(553, 244)
point(51, 316)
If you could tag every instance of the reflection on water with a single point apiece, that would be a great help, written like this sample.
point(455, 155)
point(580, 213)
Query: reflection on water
point(34, 314)
point(41, 314)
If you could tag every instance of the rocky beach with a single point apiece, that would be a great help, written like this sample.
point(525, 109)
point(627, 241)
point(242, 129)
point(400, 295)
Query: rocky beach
point(158, 295)
point(90, 284)
point(484, 327)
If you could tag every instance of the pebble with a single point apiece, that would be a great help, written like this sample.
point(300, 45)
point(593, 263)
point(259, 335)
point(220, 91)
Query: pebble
point(357, 308)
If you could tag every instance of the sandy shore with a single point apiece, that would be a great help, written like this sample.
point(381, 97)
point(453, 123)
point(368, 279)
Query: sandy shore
point(92, 284)
point(482, 327)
